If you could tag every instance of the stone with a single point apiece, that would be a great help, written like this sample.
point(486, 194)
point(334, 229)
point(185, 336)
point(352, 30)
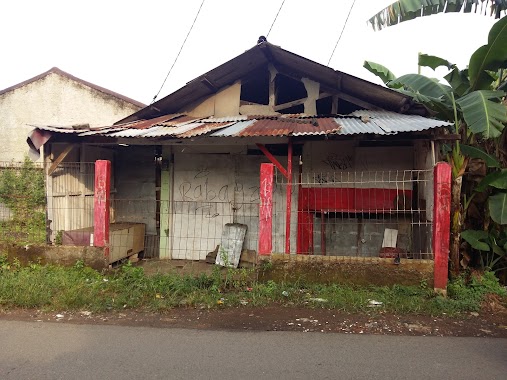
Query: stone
point(248, 258)
point(212, 256)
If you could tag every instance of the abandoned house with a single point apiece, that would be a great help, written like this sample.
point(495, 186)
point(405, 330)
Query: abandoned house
point(312, 160)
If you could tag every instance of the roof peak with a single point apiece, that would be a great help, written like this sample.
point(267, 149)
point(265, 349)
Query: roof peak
point(58, 71)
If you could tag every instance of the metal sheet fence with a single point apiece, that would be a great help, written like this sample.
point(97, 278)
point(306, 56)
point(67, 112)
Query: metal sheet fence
point(70, 192)
point(361, 214)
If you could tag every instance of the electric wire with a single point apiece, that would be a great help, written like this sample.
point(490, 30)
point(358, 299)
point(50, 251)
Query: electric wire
point(179, 52)
point(340, 37)
point(277, 13)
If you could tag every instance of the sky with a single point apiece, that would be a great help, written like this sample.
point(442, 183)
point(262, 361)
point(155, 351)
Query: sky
point(128, 46)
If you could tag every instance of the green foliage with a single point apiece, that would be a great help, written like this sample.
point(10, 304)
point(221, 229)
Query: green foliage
point(477, 239)
point(467, 295)
point(474, 152)
point(406, 10)
point(483, 113)
point(498, 207)
point(477, 108)
point(81, 288)
point(489, 57)
point(434, 62)
point(381, 71)
point(22, 191)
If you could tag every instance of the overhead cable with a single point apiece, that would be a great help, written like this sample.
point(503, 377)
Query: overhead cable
point(277, 13)
point(179, 52)
point(339, 38)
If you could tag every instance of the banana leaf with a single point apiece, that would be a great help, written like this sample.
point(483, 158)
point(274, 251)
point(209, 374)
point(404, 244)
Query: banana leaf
point(498, 207)
point(482, 115)
point(404, 10)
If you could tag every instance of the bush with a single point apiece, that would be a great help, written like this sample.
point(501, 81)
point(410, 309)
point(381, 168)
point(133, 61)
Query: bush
point(22, 191)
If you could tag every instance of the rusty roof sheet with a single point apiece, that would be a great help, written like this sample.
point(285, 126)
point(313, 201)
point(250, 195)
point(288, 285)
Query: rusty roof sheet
point(203, 129)
point(143, 124)
point(184, 126)
point(273, 126)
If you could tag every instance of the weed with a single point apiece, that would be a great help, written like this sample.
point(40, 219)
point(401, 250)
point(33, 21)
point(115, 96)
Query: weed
point(79, 287)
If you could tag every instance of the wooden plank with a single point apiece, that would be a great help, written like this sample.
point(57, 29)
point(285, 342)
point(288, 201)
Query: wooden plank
point(298, 102)
point(359, 102)
point(293, 103)
point(272, 89)
point(59, 159)
point(272, 158)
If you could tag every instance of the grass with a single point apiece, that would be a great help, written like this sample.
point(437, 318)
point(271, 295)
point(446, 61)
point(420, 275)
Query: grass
point(50, 287)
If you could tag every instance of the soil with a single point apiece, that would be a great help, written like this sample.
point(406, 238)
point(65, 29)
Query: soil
point(490, 322)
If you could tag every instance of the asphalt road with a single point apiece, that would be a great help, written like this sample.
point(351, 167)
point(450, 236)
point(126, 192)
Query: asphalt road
point(42, 350)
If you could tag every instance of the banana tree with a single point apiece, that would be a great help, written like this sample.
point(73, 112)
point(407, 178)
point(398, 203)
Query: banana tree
point(472, 101)
point(405, 10)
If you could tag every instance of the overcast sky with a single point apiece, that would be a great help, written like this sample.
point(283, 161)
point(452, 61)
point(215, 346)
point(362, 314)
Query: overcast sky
point(128, 46)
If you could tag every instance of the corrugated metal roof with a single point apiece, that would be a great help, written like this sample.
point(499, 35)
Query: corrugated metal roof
point(226, 119)
point(204, 128)
point(184, 126)
point(234, 129)
point(354, 126)
point(392, 123)
point(142, 124)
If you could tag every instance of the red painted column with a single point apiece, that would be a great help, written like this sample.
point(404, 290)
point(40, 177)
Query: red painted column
point(101, 205)
point(289, 197)
point(266, 210)
point(441, 223)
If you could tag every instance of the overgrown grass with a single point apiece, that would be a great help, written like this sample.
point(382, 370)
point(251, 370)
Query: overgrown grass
point(57, 288)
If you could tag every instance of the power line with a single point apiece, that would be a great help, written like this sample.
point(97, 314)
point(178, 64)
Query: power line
point(179, 52)
point(339, 38)
point(277, 13)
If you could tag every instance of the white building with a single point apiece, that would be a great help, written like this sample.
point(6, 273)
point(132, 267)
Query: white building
point(58, 98)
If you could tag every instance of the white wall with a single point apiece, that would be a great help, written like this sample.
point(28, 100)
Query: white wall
point(211, 190)
point(343, 164)
point(57, 100)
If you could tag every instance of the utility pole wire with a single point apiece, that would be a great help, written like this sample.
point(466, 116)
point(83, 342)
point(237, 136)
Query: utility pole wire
point(277, 13)
point(179, 52)
point(340, 37)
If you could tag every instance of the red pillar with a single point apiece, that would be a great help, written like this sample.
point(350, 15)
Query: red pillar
point(441, 223)
point(101, 205)
point(288, 196)
point(266, 210)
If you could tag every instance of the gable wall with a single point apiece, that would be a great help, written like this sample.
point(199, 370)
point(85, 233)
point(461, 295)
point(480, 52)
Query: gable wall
point(54, 100)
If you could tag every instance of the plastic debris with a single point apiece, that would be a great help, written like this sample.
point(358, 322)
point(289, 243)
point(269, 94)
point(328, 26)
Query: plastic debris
point(318, 299)
point(373, 303)
point(285, 293)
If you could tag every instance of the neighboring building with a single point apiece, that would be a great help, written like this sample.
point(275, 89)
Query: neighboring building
point(353, 164)
point(55, 97)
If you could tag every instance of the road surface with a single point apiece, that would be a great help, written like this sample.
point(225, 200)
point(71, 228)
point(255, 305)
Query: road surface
point(43, 350)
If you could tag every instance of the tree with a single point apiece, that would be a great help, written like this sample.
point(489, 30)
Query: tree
point(471, 99)
point(405, 10)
